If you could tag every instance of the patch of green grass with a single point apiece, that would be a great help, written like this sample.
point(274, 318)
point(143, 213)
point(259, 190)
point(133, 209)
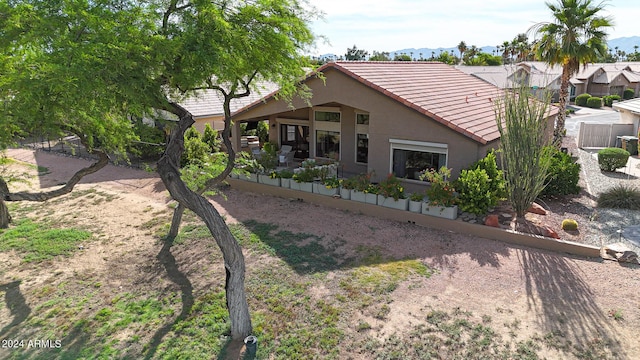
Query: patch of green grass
point(39, 241)
point(202, 333)
point(376, 275)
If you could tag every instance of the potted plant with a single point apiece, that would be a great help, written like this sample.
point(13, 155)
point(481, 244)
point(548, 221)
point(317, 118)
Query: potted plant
point(441, 195)
point(391, 193)
point(253, 168)
point(371, 194)
point(415, 202)
point(327, 186)
point(285, 178)
point(271, 178)
point(346, 185)
point(303, 180)
point(360, 185)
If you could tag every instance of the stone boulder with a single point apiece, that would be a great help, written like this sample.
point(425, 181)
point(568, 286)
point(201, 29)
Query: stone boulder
point(492, 220)
point(537, 209)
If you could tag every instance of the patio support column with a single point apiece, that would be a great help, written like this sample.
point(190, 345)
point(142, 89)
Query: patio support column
point(236, 140)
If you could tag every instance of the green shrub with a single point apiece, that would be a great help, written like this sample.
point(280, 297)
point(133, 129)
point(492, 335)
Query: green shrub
point(192, 133)
point(581, 100)
point(149, 135)
point(628, 94)
point(609, 99)
point(488, 164)
point(562, 176)
point(474, 191)
point(569, 225)
point(285, 174)
point(210, 137)
point(620, 197)
point(481, 185)
point(594, 102)
point(269, 157)
point(611, 159)
point(196, 151)
point(262, 131)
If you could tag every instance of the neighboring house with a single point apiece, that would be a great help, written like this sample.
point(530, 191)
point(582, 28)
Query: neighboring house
point(384, 117)
point(598, 79)
point(602, 79)
point(207, 105)
point(537, 75)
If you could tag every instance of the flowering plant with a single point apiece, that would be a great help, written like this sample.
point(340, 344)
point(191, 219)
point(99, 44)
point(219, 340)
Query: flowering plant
point(331, 182)
point(372, 189)
point(391, 187)
point(360, 182)
point(440, 193)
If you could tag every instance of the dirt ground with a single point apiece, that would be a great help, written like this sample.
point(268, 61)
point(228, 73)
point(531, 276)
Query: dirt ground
point(542, 289)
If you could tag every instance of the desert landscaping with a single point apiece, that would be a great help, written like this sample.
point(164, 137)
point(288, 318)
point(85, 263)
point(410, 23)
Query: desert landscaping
point(322, 283)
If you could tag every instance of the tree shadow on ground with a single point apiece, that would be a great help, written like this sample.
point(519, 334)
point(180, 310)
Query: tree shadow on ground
point(612, 223)
point(186, 289)
point(619, 175)
point(16, 304)
point(237, 350)
point(309, 253)
point(563, 302)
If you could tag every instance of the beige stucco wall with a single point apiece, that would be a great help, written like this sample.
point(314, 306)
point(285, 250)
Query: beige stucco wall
point(628, 117)
point(216, 122)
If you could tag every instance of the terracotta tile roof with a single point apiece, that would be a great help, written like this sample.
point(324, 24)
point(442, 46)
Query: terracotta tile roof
point(449, 96)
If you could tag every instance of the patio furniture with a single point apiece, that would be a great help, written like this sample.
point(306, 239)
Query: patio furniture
point(256, 152)
point(286, 158)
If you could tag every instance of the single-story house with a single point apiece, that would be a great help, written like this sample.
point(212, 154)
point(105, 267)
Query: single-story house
point(386, 117)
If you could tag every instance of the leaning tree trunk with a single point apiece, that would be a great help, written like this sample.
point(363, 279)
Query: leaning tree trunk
point(168, 168)
point(103, 160)
point(176, 219)
point(5, 218)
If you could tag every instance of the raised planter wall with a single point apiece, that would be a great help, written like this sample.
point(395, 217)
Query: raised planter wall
point(461, 227)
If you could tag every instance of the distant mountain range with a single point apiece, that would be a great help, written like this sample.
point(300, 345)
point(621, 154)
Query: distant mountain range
point(624, 43)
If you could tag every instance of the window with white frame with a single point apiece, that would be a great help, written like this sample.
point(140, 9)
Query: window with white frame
point(362, 138)
point(327, 127)
point(409, 159)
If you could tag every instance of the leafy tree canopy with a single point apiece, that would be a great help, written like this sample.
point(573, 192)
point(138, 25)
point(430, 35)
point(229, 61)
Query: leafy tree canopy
point(356, 54)
point(85, 67)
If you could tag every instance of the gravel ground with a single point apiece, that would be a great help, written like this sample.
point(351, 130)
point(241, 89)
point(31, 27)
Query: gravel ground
point(609, 221)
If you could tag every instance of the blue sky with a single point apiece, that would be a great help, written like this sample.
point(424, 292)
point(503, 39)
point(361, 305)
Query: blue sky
point(387, 25)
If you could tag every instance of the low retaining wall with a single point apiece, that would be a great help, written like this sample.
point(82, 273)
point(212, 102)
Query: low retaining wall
point(457, 226)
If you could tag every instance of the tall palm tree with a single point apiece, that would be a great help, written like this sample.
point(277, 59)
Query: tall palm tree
point(576, 36)
point(462, 47)
point(506, 50)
